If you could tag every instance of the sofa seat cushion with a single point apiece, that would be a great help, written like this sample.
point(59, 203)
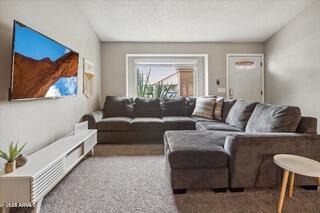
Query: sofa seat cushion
point(198, 119)
point(216, 125)
point(191, 149)
point(240, 113)
point(274, 118)
point(178, 123)
point(114, 124)
point(143, 124)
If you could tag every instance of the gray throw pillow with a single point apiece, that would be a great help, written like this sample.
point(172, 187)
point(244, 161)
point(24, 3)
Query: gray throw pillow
point(217, 112)
point(274, 118)
point(240, 113)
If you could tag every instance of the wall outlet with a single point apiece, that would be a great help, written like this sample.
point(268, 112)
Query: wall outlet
point(221, 90)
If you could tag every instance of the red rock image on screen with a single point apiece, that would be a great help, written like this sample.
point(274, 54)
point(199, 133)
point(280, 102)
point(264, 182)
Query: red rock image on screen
point(33, 78)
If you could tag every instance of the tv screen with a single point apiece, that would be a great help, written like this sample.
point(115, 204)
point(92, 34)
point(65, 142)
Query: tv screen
point(41, 67)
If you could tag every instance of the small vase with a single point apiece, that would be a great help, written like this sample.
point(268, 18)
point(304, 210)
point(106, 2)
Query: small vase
point(9, 167)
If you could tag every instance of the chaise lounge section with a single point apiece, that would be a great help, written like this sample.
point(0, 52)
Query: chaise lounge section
point(263, 130)
point(196, 159)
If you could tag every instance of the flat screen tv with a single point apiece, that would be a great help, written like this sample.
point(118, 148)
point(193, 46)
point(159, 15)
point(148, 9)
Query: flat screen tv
point(41, 67)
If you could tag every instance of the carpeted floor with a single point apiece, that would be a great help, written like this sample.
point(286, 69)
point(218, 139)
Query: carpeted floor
point(139, 184)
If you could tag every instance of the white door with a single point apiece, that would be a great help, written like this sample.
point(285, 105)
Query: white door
point(245, 77)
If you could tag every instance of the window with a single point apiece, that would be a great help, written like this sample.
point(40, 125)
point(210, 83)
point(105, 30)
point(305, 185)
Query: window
point(166, 75)
point(164, 80)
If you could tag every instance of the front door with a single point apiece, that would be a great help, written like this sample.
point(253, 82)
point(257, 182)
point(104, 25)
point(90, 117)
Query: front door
point(245, 77)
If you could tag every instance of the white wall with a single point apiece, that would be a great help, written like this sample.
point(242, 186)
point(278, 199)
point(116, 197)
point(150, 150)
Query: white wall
point(293, 63)
point(40, 122)
point(114, 60)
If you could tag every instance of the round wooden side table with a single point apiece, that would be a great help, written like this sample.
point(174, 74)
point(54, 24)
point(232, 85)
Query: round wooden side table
point(293, 164)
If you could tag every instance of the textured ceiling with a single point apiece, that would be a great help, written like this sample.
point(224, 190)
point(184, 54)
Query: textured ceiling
point(189, 20)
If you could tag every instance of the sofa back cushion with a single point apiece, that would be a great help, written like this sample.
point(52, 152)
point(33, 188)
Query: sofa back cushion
point(204, 107)
point(174, 107)
point(274, 118)
point(226, 106)
point(118, 107)
point(147, 107)
point(191, 104)
point(240, 113)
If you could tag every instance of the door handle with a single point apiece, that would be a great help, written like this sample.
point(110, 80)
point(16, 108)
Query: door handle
point(230, 93)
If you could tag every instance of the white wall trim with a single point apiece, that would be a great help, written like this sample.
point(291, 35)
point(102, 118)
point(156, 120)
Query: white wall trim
point(205, 61)
point(167, 55)
point(228, 72)
point(206, 75)
point(127, 73)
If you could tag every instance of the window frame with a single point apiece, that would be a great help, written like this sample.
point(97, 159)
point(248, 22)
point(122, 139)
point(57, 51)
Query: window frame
point(191, 56)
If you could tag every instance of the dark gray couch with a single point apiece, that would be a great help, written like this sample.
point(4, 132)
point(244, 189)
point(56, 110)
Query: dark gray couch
point(235, 151)
point(139, 120)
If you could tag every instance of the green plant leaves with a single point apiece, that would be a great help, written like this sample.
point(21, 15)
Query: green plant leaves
point(13, 152)
point(145, 89)
point(4, 155)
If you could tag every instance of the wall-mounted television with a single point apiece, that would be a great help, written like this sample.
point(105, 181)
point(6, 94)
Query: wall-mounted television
point(41, 67)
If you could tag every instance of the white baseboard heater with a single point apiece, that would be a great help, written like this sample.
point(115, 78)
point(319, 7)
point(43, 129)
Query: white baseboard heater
point(26, 186)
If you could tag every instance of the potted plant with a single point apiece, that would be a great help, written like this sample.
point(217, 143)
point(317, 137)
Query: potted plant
point(10, 157)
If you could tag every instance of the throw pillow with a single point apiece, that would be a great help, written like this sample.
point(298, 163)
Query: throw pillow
point(204, 107)
point(191, 104)
point(217, 112)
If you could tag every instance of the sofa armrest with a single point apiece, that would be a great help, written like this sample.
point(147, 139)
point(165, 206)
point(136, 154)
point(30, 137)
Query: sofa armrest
point(251, 155)
point(93, 118)
point(234, 142)
point(307, 125)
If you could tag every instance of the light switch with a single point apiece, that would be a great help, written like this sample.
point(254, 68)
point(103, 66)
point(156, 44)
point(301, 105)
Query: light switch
point(221, 90)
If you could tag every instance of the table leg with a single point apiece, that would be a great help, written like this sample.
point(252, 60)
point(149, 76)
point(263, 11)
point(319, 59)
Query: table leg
point(283, 190)
point(291, 184)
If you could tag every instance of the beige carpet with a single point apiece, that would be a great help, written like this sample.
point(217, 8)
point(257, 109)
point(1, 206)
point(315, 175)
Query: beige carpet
point(137, 182)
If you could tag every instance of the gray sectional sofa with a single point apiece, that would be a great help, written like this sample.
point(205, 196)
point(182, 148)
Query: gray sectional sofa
point(234, 152)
